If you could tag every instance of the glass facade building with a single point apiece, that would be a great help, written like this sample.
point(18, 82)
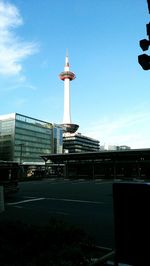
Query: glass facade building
point(25, 139)
point(58, 139)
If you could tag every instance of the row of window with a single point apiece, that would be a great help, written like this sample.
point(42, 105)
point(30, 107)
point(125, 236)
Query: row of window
point(76, 144)
point(6, 127)
point(82, 138)
point(31, 153)
point(33, 127)
point(26, 139)
point(30, 133)
point(33, 121)
point(82, 141)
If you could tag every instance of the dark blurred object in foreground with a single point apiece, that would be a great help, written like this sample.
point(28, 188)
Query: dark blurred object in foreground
point(132, 220)
point(148, 2)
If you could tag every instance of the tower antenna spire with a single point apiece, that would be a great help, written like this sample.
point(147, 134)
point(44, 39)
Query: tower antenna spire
point(67, 53)
point(67, 59)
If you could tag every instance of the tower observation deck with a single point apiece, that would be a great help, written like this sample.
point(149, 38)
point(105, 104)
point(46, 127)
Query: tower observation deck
point(67, 76)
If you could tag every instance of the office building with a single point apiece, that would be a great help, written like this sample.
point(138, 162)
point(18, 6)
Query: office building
point(118, 148)
point(76, 142)
point(57, 139)
point(24, 139)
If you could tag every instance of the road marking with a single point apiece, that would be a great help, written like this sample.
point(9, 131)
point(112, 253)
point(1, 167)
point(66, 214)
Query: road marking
point(24, 201)
point(55, 199)
point(78, 201)
point(103, 182)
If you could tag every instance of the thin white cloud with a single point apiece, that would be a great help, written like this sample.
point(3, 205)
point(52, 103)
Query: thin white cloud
point(21, 86)
point(12, 49)
point(128, 130)
point(20, 102)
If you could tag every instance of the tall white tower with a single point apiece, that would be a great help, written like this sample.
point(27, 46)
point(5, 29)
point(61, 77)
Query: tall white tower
point(67, 76)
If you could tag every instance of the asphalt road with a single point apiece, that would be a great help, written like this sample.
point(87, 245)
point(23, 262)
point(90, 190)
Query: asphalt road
point(88, 204)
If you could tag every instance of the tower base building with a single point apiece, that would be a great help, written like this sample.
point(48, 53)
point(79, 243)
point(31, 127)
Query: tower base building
point(76, 142)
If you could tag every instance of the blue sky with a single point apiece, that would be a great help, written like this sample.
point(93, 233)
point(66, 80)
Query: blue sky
point(110, 97)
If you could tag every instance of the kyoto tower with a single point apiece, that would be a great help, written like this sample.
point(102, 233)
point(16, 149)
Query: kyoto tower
point(67, 76)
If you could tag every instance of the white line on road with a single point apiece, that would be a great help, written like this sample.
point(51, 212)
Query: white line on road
point(75, 200)
point(54, 199)
point(24, 201)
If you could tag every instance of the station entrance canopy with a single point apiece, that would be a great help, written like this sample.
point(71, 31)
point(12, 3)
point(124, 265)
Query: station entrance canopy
point(129, 163)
